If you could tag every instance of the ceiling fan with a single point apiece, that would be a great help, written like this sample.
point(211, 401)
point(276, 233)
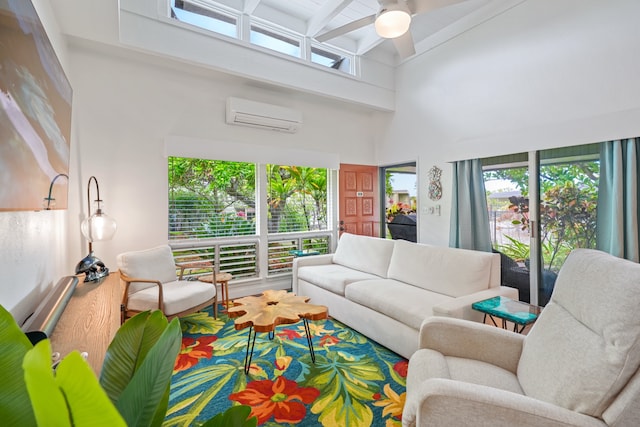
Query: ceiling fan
point(392, 21)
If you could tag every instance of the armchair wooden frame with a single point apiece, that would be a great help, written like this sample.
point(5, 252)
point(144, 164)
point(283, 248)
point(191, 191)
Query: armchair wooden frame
point(126, 313)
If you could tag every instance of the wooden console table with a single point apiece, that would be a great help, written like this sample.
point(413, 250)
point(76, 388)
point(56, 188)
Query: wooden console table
point(90, 320)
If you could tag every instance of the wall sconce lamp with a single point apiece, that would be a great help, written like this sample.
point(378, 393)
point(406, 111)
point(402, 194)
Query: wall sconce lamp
point(95, 228)
point(49, 202)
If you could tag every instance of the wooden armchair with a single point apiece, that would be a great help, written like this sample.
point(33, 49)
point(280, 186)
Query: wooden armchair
point(151, 283)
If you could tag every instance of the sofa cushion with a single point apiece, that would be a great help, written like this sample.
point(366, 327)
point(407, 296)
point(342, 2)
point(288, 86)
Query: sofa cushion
point(448, 271)
point(405, 303)
point(368, 254)
point(178, 296)
point(426, 364)
point(332, 277)
point(592, 325)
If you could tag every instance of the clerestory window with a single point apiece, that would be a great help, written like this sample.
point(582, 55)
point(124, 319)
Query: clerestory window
point(224, 20)
point(208, 18)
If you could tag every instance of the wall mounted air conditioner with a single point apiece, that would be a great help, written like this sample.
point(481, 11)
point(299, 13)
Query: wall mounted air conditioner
point(265, 116)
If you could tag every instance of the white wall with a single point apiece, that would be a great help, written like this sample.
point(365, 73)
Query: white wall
point(128, 103)
point(543, 74)
point(33, 245)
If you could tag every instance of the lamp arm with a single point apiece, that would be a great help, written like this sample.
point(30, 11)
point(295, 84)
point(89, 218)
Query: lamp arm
point(51, 188)
point(89, 202)
point(89, 194)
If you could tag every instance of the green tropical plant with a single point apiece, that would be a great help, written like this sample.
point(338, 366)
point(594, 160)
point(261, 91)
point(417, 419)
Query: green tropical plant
point(515, 249)
point(237, 416)
point(133, 389)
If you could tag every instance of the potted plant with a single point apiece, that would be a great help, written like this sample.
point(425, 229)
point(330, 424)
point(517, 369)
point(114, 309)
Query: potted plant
point(133, 389)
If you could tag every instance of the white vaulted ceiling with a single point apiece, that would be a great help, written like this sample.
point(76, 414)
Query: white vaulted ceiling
point(144, 25)
point(315, 17)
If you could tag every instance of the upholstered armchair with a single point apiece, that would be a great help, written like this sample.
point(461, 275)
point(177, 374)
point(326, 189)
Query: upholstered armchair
point(151, 283)
point(578, 365)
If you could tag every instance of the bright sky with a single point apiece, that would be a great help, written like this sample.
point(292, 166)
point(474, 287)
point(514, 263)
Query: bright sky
point(404, 181)
point(499, 185)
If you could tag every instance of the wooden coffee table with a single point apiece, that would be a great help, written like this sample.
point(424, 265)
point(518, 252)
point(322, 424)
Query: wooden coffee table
point(263, 313)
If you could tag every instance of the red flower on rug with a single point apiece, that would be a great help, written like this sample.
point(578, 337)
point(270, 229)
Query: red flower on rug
point(280, 399)
point(401, 368)
point(289, 334)
point(193, 350)
point(328, 340)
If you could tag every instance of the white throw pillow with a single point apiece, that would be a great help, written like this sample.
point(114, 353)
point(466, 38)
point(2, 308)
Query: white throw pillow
point(448, 271)
point(364, 253)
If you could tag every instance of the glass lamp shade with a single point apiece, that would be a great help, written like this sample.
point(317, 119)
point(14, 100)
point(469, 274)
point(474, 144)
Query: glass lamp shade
point(98, 227)
point(392, 23)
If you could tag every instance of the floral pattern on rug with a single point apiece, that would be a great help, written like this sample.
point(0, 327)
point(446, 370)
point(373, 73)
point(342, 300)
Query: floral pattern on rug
point(354, 381)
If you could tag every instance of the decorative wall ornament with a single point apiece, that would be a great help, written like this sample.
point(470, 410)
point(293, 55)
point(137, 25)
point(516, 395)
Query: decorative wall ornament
point(435, 187)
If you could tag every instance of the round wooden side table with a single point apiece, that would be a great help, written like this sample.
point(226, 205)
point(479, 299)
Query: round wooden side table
point(223, 279)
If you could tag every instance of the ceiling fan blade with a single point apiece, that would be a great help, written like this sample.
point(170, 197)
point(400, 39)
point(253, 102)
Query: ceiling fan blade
point(404, 45)
point(421, 6)
point(351, 26)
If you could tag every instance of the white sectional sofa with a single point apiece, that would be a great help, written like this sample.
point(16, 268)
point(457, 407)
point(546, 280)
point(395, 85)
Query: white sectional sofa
point(385, 289)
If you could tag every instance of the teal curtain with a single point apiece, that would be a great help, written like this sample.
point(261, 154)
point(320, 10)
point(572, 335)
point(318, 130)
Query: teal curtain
point(469, 212)
point(617, 220)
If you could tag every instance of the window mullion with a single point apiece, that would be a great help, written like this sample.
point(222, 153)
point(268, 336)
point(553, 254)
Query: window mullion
point(244, 29)
point(262, 214)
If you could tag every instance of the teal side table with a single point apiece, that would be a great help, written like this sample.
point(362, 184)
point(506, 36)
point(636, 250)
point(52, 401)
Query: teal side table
point(519, 313)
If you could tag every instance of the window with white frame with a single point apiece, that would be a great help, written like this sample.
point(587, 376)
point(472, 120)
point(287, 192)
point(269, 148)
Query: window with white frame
point(214, 213)
point(297, 199)
point(205, 16)
point(274, 40)
point(331, 59)
point(211, 16)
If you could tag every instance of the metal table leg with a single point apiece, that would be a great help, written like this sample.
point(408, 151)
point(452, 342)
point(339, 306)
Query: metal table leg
point(309, 340)
point(251, 342)
point(248, 356)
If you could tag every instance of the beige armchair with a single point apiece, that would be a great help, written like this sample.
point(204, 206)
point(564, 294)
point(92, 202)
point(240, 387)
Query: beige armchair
point(151, 283)
point(578, 366)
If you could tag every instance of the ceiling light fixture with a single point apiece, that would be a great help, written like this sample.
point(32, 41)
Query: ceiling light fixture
point(393, 20)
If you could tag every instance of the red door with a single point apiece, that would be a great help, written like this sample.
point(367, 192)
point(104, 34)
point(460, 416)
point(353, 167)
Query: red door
point(359, 200)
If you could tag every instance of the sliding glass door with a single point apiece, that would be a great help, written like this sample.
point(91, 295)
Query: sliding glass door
point(542, 205)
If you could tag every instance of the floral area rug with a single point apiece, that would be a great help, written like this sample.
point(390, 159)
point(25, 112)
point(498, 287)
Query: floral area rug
point(354, 381)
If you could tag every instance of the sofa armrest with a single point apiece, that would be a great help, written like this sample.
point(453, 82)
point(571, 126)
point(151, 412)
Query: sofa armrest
point(312, 260)
point(461, 307)
point(307, 261)
point(472, 340)
point(444, 402)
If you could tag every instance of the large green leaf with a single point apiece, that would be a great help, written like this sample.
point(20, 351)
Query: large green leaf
point(346, 382)
point(15, 407)
point(88, 402)
point(143, 397)
point(201, 323)
point(48, 403)
point(236, 416)
point(72, 397)
point(128, 349)
point(216, 377)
